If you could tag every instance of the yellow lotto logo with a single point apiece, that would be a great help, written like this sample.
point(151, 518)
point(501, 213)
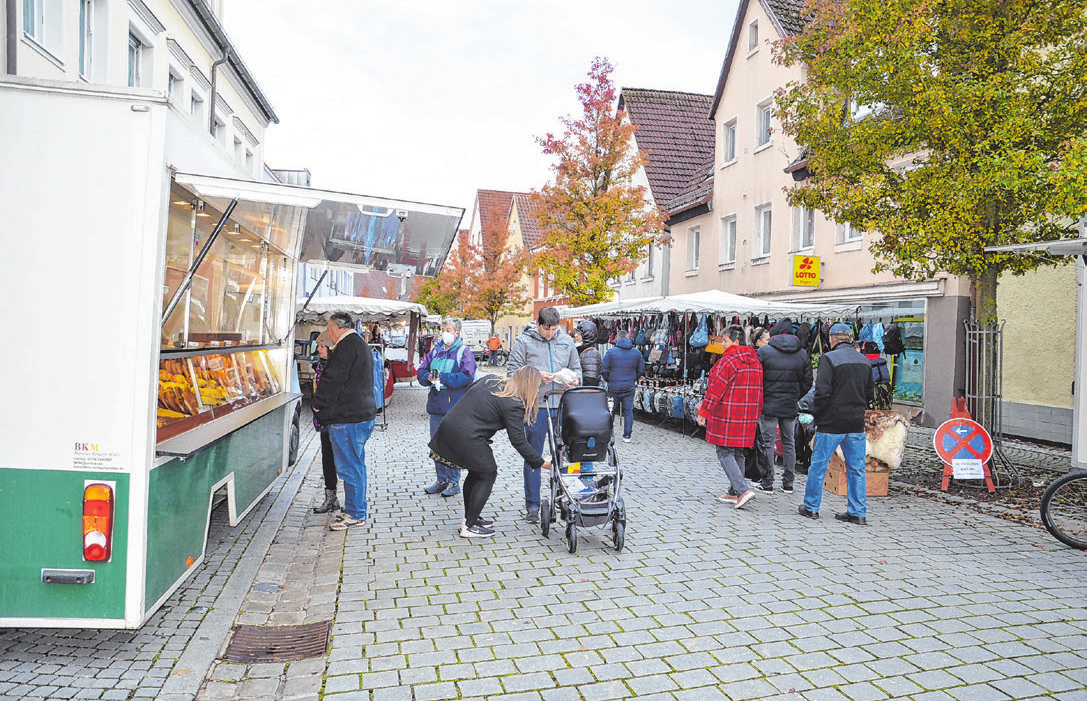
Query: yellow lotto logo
point(806, 270)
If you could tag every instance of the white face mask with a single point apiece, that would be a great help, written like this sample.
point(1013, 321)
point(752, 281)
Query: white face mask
point(448, 338)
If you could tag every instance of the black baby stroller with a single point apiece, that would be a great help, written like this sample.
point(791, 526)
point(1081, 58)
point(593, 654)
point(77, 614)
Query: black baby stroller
point(586, 482)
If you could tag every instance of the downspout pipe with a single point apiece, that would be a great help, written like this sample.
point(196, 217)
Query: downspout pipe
point(211, 110)
point(10, 21)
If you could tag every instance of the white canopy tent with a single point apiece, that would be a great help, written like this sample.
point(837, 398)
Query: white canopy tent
point(368, 308)
point(710, 302)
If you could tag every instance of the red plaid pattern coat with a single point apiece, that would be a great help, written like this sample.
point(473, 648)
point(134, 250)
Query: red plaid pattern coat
point(733, 400)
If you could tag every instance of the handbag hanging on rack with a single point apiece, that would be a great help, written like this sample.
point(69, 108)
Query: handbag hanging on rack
point(700, 336)
point(716, 343)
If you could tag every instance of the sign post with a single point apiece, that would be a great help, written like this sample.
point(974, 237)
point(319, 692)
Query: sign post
point(966, 448)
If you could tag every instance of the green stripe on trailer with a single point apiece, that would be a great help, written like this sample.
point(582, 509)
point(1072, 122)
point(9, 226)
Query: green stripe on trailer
point(43, 529)
point(180, 491)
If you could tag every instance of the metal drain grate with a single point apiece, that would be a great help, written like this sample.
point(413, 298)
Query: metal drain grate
point(278, 643)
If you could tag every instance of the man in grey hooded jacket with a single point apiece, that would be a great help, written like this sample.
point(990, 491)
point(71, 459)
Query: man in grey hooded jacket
point(549, 349)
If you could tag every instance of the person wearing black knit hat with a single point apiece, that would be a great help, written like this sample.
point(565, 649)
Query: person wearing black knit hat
point(787, 375)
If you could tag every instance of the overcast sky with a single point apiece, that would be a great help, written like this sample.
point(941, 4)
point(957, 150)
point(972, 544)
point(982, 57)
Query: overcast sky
point(430, 100)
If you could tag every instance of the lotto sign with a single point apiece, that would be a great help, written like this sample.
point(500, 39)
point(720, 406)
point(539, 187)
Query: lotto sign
point(806, 271)
point(963, 441)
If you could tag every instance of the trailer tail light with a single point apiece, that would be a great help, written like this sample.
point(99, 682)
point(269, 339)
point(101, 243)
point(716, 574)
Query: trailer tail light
point(97, 522)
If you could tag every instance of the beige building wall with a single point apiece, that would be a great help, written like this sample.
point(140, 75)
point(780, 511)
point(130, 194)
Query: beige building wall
point(1039, 311)
point(509, 327)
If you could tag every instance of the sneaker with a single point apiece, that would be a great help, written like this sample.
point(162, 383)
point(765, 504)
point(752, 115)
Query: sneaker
point(744, 498)
point(533, 515)
point(727, 498)
point(346, 522)
point(451, 490)
point(436, 487)
point(485, 522)
point(764, 490)
point(626, 439)
point(807, 514)
point(787, 490)
point(476, 531)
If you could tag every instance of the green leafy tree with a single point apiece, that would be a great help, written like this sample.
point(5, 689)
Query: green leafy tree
point(968, 134)
point(451, 292)
point(595, 223)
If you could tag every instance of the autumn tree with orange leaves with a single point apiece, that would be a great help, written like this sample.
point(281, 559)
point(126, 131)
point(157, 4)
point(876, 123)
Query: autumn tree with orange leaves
point(480, 281)
point(595, 223)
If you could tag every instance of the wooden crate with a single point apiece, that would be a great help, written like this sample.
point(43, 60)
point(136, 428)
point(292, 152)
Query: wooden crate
point(875, 480)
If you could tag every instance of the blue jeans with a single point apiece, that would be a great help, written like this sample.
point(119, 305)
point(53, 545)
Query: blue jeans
point(444, 472)
point(349, 447)
point(856, 487)
point(731, 459)
point(624, 402)
point(536, 434)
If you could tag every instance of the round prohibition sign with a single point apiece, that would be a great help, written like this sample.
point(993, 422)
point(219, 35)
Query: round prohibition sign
point(962, 439)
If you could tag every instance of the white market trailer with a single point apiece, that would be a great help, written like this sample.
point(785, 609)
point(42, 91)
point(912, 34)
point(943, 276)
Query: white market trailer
point(149, 306)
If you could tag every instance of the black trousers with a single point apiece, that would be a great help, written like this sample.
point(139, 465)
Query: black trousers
point(477, 490)
point(328, 461)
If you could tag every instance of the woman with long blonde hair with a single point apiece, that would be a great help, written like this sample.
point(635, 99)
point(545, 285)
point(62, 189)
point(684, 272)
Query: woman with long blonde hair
point(463, 439)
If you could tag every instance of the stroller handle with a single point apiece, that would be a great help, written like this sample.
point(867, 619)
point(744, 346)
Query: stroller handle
point(553, 391)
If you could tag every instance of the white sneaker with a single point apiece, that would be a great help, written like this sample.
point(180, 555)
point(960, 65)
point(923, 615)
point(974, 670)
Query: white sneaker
point(626, 440)
point(476, 531)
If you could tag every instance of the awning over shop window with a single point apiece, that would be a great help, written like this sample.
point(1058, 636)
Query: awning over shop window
point(342, 230)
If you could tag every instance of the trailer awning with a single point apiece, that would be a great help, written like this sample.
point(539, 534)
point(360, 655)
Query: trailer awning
point(338, 229)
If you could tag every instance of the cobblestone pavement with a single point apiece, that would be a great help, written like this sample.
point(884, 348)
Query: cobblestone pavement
point(930, 601)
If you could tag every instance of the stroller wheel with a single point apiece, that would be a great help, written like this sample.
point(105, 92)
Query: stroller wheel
point(545, 516)
point(571, 536)
point(618, 534)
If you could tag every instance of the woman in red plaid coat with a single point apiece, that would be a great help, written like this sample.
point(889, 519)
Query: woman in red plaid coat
point(732, 409)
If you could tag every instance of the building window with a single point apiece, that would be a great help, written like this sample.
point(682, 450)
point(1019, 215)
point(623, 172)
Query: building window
point(753, 37)
point(175, 87)
point(249, 160)
point(728, 141)
point(136, 51)
point(692, 247)
point(86, 37)
point(196, 106)
point(239, 149)
point(763, 221)
point(847, 233)
point(803, 228)
point(763, 114)
point(42, 23)
point(727, 248)
point(218, 130)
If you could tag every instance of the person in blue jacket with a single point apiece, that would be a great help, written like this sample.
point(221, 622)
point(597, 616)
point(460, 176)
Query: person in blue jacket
point(623, 365)
point(447, 370)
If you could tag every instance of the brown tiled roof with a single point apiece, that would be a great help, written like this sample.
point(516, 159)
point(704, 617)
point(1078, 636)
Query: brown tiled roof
point(675, 133)
point(788, 19)
point(530, 228)
point(486, 201)
point(697, 190)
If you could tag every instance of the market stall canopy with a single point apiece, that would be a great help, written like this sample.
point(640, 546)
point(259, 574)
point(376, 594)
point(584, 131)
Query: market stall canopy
point(710, 302)
point(369, 309)
point(338, 229)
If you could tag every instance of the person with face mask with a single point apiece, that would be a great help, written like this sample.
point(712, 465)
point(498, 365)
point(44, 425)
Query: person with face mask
point(447, 369)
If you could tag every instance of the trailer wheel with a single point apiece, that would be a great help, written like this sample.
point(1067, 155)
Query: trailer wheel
point(296, 435)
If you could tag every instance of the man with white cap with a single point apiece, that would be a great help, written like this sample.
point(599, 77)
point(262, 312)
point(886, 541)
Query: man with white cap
point(843, 389)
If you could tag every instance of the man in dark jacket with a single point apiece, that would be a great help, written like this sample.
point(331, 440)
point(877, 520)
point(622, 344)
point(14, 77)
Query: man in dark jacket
point(623, 365)
point(786, 376)
point(585, 338)
point(344, 401)
point(843, 388)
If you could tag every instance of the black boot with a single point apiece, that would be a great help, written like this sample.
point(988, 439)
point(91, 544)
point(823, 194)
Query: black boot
point(331, 503)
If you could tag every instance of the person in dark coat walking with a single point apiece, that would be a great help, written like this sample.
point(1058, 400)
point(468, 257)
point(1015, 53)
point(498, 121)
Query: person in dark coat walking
point(463, 440)
point(843, 389)
point(591, 362)
point(732, 408)
point(786, 376)
point(344, 401)
point(623, 365)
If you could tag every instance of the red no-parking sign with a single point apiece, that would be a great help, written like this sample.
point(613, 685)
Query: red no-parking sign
point(962, 439)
